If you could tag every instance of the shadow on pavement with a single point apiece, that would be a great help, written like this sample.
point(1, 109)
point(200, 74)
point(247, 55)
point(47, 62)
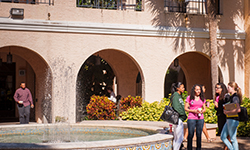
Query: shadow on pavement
point(217, 144)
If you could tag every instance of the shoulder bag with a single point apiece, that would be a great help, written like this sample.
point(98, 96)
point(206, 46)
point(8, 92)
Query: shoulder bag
point(170, 115)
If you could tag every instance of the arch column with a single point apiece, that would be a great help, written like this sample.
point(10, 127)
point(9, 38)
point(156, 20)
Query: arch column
point(154, 83)
point(63, 90)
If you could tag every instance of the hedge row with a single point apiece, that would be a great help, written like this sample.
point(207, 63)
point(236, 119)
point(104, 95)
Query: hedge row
point(100, 108)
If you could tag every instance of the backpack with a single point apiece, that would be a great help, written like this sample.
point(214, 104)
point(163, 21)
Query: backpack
point(243, 116)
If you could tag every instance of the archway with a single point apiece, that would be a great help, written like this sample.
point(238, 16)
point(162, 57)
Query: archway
point(174, 74)
point(196, 68)
point(29, 67)
point(127, 77)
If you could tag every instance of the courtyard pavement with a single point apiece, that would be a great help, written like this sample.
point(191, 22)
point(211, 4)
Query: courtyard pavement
point(217, 144)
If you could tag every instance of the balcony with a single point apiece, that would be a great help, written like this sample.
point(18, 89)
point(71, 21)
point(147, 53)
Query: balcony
point(136, 5)
point(190, 6)
point(49, 2)
point(186, 6)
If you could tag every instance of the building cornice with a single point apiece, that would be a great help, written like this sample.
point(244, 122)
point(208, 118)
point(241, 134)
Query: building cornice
point(114, 29)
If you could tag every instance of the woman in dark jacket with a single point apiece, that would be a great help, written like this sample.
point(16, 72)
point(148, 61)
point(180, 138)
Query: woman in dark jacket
point(177, 103)
point(221, 97)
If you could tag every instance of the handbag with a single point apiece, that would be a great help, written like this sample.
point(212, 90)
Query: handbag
point(170, 115)
point(243, 116)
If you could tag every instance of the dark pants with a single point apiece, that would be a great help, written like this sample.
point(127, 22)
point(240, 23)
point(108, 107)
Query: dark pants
point(192, 125)
point(221, 121)
point(24, 114)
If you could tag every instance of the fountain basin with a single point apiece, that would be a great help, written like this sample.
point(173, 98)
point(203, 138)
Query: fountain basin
point(157, 140)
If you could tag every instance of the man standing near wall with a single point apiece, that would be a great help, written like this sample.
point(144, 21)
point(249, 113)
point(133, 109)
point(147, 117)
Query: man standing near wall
point(24, 101)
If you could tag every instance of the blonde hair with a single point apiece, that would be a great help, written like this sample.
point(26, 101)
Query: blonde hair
point(237, 89)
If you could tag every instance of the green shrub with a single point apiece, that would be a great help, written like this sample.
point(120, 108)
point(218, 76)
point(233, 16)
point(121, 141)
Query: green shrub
point(244, 127)
point(210, 113)
point(153, 111)
point(147, 112)
point(101, 108)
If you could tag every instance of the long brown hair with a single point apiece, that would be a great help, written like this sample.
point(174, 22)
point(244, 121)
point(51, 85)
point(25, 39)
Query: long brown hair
point(193, 93)
point(237, 89)
point(223, 92)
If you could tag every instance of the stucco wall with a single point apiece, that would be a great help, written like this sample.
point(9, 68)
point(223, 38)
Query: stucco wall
point(153, 14)
point(247, 49)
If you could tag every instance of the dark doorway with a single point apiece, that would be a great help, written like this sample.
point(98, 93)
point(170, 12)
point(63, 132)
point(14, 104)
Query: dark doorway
point(7, 90)
point(173, 75)
point(93, 78)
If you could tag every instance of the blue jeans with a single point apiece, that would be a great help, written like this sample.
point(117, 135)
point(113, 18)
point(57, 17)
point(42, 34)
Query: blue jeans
point(192, 124)
point(230, 128)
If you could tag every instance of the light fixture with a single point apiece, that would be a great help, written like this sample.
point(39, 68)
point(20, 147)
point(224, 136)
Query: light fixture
point(187, 21)
point(17, 13)
point(176, 62)
point(9, 57)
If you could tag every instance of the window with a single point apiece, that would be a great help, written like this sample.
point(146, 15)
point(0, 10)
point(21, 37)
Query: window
point(50, 2)
point(111, 4)
point(190, 6)
point(196, 6)
point(175, 6)
point(218, 7)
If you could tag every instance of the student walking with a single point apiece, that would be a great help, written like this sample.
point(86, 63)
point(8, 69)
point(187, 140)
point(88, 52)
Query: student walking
point(195, 105)
point(221, 97)
point(24, 101)
point(230, 127)
point(178, 105)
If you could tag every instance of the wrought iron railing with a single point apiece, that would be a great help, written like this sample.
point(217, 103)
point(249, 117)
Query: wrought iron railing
point(186, 6)
point(49, 2)
point(111, 4)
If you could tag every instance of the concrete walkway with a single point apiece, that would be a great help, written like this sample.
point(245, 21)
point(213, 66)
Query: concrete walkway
point(217, 144)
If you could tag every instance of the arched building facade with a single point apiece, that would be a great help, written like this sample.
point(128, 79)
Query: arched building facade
point(51, 48)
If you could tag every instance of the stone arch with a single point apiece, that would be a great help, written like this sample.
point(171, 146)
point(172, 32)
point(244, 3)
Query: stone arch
point(38, 77)
point(196, 67)
point(126, 70)
point(120, 61)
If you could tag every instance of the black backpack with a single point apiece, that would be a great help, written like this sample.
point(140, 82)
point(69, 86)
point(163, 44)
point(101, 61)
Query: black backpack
point(243, 116)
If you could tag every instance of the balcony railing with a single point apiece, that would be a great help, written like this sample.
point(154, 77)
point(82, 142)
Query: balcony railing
point(136, 5)
point(186, 6)
point(49, 2)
